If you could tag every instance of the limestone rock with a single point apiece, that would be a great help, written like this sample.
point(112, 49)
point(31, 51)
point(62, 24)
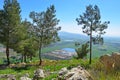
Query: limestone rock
point(39, 74)
point(3, 75)
point(77, 73)
point(25, 77)
point(11, 77)
point(63, 71)
point(8, 76)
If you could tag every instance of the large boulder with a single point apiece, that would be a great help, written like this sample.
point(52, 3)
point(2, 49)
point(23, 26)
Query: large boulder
point(38, 74)
point(77, 73)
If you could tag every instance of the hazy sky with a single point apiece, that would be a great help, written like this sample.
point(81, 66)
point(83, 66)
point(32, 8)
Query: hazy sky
point(68, 10)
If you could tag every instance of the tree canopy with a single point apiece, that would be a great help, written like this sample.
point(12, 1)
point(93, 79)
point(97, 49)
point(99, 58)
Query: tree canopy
point(9, 23)
point(91, 23)
point(45, 27)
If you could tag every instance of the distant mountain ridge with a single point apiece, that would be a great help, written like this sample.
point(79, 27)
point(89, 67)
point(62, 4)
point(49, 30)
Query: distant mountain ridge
point(71, 36)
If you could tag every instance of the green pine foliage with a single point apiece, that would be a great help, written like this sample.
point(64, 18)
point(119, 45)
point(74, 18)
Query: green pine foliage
point(25, 43)
point(90, 20)
point(44, 28)
point(9, 23)
point(82, 51)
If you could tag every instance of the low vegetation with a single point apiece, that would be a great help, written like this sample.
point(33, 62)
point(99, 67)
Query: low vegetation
point(96, 69)
point(27, 38)
point(82, 51)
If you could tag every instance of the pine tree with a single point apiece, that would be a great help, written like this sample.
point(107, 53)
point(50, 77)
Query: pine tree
point(25, 44)
point(91, 23)
point(10, 22)
point(44, 28)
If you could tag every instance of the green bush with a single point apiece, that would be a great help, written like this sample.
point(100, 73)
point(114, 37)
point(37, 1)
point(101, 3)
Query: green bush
point(82, 51)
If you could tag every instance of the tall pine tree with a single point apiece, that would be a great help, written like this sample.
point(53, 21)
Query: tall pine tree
point(44, 28)
point(91, 23)
point(9, 24)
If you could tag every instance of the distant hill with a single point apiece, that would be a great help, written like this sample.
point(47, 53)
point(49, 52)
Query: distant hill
point(71, 36)
point(111, 44)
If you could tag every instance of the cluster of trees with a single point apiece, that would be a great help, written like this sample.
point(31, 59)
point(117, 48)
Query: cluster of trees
point(27, 37)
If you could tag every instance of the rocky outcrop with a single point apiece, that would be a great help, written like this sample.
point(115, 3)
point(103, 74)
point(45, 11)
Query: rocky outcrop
point(38, 74)
point(63, 71)
point(7, 76)
point(25, 77)
point(111, 62)
point(11, 77)
point(77, 73)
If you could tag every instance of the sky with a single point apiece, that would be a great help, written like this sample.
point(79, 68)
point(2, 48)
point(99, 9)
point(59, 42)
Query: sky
point(68, 10)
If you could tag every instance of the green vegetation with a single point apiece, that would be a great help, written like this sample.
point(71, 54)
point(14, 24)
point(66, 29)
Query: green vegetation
point(91, 23)
point(26, 39)
point(9, 23)
point(44, 28)
point(96, 69)
point(82, 51)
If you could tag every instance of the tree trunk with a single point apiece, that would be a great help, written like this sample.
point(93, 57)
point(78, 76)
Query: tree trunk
point(30, 57)
point(22, 59)
point(40, 50)
point(25, 58)
point(90, 61)
point(40, 55)
point(7, 54)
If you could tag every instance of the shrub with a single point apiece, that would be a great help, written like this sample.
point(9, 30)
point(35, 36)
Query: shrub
point(82, 51)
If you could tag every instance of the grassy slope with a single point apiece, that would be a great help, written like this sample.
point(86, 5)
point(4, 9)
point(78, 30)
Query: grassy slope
point(96, 69)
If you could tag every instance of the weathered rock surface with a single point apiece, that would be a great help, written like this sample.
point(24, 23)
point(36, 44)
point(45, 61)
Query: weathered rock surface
point(8, 76)
point(77, 73)
point(38, 74)
point(111, 62)
point(63, 71)
point(11, 77)
point(25, 77)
